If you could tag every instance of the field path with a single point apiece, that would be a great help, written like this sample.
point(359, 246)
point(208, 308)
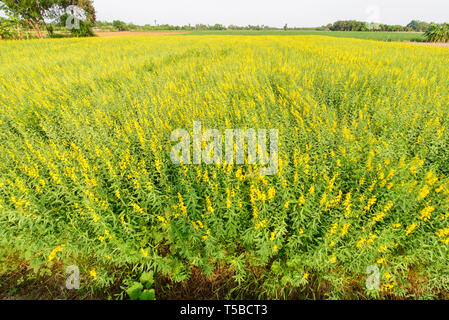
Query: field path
point(433, 44)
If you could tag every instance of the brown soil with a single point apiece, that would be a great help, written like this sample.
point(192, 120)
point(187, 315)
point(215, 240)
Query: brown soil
point(433, 44)
point(128, 33)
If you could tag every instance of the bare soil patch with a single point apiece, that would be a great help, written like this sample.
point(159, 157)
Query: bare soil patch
point(433, 44)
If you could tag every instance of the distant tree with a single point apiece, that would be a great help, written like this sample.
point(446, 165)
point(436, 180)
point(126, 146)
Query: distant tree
point(285, 27)
point(119, 25)
point(218, 27)
point(414, 25)
point(349, 25)
point(418, 26)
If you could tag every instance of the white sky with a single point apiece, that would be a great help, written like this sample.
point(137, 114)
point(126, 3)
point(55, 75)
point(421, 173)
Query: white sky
point(271, 12)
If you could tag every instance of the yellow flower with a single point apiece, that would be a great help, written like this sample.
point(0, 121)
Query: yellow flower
point(333, 259)
point(424, 192)
point(271, 193)
point(312, 189)
point(426, 213)
point(431, 178)
point(93, 273)
point(411, 228)
point(54, 252)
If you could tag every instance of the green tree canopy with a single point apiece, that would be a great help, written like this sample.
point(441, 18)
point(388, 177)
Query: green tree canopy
point(35, 13)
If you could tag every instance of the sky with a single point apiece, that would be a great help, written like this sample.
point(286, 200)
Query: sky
point(275, 13)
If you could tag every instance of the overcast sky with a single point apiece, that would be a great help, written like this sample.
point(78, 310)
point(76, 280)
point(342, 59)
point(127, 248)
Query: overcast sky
point(274, 13)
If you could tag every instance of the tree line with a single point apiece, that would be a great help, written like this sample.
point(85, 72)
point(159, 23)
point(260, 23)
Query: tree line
point(353, 25)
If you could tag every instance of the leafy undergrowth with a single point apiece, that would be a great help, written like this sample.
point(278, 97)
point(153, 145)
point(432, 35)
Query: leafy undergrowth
point(19, 282)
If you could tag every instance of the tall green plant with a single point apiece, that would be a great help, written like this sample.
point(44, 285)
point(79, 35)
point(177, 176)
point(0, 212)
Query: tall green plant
point(438, 33)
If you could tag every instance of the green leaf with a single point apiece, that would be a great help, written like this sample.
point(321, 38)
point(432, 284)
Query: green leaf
point(147, 279)
point(148, 295)
point(135, 291)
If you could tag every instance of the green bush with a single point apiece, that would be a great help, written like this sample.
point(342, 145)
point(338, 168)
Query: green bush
point(7, 30)
point(438, 33)
point(120, 25)
point(85, 30)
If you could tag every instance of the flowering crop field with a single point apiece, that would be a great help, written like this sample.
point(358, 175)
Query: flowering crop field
point(86, 177)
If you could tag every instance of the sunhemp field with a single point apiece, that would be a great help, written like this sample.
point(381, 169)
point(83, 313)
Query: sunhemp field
point(213, 152)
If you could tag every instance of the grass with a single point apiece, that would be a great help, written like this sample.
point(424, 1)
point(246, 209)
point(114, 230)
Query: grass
point(380, 36)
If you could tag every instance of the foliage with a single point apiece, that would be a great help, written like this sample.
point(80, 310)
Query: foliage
point(35, 13)
point(419, 26)
point(349, 25)
point(119, 25)
point(438, 33)
point(7, 30)
point(84, 30)
point(142, 290)
point(86, 176)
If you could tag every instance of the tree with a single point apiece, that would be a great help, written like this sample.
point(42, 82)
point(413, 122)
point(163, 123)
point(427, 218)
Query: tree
point(349, 25)
point(285, 27)
point(418, 26)
point(35, 12)
point(119, 25)
point(30, 11)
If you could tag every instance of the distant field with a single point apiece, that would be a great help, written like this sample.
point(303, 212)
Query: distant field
point(381, 36)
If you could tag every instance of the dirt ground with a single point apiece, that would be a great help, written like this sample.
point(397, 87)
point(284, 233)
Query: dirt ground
point(433, 44)
point(128, 33)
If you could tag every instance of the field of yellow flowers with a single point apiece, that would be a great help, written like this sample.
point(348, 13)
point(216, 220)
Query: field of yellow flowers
point(86, 177)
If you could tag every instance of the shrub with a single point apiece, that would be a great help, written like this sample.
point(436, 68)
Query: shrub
point(120, 25)
point(7, 30)
point(438, 33)
point(85, 30)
